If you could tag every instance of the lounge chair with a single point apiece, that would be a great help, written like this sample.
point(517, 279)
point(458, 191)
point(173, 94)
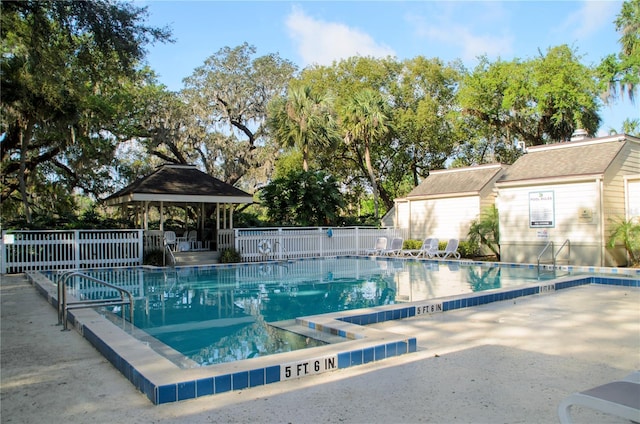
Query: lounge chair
point(450, 250)
point(395, 248)
point(621, 398)
point(428, 249)
point(381, 244)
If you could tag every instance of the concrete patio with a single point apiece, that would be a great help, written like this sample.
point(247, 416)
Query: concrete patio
point(505, 362)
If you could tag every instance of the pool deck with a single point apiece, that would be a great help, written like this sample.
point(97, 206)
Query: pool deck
point(503, 362)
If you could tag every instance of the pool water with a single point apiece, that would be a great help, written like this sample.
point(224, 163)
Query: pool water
point(229, 313)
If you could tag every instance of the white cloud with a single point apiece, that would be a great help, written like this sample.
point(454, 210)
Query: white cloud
point(443, 31)
point(320, 42)
point(471, 45)
point(590, 18)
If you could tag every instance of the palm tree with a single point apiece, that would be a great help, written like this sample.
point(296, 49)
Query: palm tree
point(622, 71)
point(302, 120)
point(365, 120)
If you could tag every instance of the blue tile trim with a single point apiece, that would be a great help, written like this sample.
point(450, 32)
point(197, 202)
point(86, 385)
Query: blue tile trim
point(186, 390)
point(256, 377)
point(167, 393)
point(223, 383)
point(272, 374)
point(204, 387)
point(240, 380)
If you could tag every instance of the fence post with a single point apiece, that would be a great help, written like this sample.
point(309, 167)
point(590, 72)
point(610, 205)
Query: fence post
point(76, 249)
point(141, 246)
point(3, 255)
point(357, 240)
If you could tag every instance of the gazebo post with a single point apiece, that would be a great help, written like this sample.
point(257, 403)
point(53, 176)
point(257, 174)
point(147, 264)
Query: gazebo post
point(146, 215)
point(161, 215)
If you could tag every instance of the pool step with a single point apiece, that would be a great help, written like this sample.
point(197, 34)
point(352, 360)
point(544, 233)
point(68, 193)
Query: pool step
point(294, 327)
point(195, 257)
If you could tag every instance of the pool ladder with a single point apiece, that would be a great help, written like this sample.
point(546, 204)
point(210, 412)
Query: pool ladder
point(554, 255)
point(64, 305)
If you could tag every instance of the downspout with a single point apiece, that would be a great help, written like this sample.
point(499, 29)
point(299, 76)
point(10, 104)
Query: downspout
point(600, 184)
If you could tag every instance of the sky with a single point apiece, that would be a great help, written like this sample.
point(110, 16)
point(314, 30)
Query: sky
point(320, 32)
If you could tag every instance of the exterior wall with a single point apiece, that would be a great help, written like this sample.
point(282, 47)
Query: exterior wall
point(632, 194)
point(443, 218)
point(403, 214)
point(614, 199)
point(576, 216)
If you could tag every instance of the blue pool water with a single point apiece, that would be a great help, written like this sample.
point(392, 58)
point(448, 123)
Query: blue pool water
point(226, 313)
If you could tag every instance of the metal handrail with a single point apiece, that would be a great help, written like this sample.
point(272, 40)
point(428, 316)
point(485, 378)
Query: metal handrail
point(566, 243)
point(64, 306)
point(171, 255)
point(549, 244)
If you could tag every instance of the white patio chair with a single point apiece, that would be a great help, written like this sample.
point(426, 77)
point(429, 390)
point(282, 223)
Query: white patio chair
point(395, 248)
point(450, 250)
point(381, 244)
point(170, 240)
point(428, 249)
point(621, 398)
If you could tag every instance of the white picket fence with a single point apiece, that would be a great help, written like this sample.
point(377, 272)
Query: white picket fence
point(260, 244)
point(22, 251)
point(69, 249)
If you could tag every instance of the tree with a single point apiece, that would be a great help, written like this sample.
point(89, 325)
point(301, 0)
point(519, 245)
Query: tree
point(303, 120)
point(67, 70)
point(486, 231)
point(228, 98)
point(536, 101)
point(620, 74)
point(366, 121)
point(627, 231)
point(344, 80)
point(423, 115)
point(303, 198)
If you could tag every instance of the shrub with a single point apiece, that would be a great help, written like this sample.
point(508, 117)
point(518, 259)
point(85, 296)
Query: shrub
point(229, 256)
point(412, 244)
point(627, 232)
point(468, 249)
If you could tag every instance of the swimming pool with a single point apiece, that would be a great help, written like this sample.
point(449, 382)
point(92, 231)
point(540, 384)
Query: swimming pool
point(162, 380)
point(206, 316)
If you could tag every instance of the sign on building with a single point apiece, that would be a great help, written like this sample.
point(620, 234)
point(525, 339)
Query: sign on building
point(541, 209)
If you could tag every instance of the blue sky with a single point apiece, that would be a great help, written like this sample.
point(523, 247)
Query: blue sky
point(307, 32)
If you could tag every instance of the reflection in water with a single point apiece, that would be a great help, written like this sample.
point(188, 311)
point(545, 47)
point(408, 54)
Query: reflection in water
point(222, 314)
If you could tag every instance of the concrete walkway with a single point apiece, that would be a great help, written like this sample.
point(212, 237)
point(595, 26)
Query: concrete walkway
point(507, 362)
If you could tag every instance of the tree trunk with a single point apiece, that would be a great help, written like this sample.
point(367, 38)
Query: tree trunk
point(372, 177)
point(24, 137)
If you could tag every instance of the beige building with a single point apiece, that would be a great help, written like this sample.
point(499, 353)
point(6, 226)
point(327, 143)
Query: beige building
point(573, 191)
point(446, 202)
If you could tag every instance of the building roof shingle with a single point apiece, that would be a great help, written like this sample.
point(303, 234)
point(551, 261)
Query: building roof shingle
point(180, 181)
point(591, 157)
point(456, 180)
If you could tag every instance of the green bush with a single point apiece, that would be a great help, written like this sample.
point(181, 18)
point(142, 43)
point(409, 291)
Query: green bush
point(412, 244)
point(229, 256)
point(627, 232)
point(468, 249)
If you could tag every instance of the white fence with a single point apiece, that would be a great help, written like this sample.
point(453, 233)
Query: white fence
point(73, 249)
point(260, 244)
point(22, 251)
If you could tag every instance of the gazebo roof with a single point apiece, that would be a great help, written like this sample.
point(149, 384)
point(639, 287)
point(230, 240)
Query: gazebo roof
point(179, 184)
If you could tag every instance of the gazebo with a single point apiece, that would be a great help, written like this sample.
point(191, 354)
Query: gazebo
point(183, 186)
